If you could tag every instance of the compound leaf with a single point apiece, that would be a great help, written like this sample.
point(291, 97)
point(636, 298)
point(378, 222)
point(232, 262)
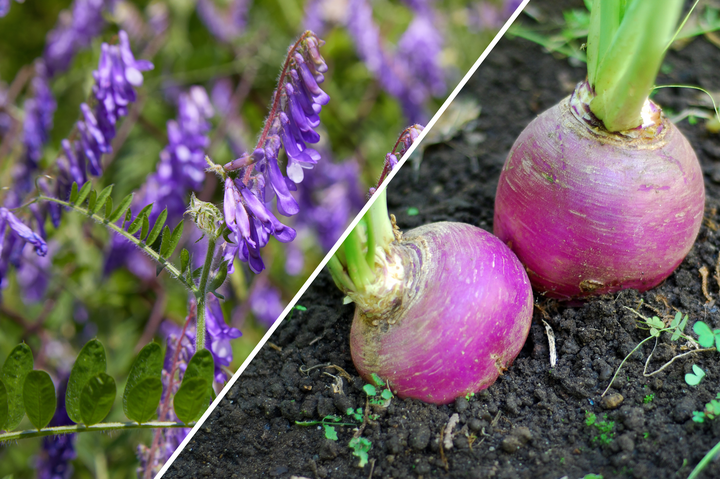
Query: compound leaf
point(89, 363)
point(142, 401)
point(157, 228)
point(191, 399)
point(97, 398)
point(39, 398)
point(102, 198)
point(16, 368)
point(147, 365)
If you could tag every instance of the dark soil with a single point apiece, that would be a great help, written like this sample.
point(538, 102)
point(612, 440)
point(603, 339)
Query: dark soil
point(531, 422)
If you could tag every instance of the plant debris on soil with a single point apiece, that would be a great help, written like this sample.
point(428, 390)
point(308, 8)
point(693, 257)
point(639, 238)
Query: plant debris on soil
point(536, 421)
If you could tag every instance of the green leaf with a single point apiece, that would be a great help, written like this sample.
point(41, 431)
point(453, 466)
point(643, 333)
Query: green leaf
point(191, 400)
point(122, 207)
point(108, 207)
point(92, 198)
point(370, 390)
point(147, 365)
point(705, 334)
point(376, 379)
point(157, 228)
point(655, 322)
point(676, 320)
point(170, 241)
point(694, 378)
point(218, 295)
point(139, 220)
point(39, 398)
point(142, 401)
point(201, 365)
point(386, 394)
point(84, 192)
point(73, 193)
point(184, 260)
point(226, 236)
point(17, 366)
point(145, 227)
point(102, 198)
point(97, 398)
point(3, 407)
point(360, 447)
point(220, 276)
point(89, 363)
point(654, 332)
point(128, 216)
point(330, 432)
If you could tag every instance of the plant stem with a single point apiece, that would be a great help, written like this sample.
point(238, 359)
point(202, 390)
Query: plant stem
point(622, 71)
point(202, 292)
point(174, 272)
point(351, 269)
point(623, 362)
point(705, 461)
point(108, 426)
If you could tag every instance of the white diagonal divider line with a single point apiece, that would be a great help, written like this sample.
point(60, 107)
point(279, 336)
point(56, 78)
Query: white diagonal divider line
point(357, 219)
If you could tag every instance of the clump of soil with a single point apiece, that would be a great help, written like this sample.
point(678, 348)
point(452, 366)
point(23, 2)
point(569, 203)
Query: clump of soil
point(533, 422)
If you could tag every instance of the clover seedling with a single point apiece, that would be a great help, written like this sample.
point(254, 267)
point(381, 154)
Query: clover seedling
point(360, 447)
point(712, 410)
point(356, 414)
point(694, 378)
point(706, 336)
point(330, 432)
point(385, 395)
point(605, 428)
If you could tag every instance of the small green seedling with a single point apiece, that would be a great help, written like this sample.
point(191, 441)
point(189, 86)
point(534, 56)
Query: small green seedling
point(330, 432)
point(605, 428)
point(412, 211)
point(706, 336)
point(299, 308)
point(711, 411)
point(356, 414)
point(360, 447)
point(648, 398)
point(694, 378)
point(592, 476)
point(381, 399)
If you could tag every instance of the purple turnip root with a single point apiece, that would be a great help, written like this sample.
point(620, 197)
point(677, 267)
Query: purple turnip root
point(591, 212)
point(450, 311)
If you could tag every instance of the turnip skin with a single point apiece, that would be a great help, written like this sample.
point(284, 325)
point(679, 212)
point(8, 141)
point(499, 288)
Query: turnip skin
point(461, 316)
point(589, 212)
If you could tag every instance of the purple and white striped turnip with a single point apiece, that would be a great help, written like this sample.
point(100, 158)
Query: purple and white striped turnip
point(440, 310)
point(602, 192)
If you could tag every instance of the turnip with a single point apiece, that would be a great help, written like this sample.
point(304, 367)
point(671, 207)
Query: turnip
point(441, 310)
point(602, 192)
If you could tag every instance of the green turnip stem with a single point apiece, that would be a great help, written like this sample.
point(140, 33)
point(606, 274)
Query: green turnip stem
point(624, 58)
point(353, 266)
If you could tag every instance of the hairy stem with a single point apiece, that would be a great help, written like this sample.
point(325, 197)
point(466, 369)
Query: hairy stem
point(108, 426)
point(174, 272)
point(200, 329)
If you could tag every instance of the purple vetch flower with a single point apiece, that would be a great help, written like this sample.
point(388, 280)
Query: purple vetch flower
point(406, 139)
point(75, 31)
point(180, 170)
point(57, 451)
point(33, 275)
point(387, 69)
point(291, 125)
point(117, 76)
point(491, 16)
point(219, 335)
point(22, 231)
point(329, 198)
point(225, 24)
point(413, 73)
point(419, 48)
point(266, 304)
point(39, 111)
point(5, 6)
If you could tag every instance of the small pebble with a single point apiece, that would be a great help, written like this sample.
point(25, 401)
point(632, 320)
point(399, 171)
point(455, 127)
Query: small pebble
point(613, 401)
